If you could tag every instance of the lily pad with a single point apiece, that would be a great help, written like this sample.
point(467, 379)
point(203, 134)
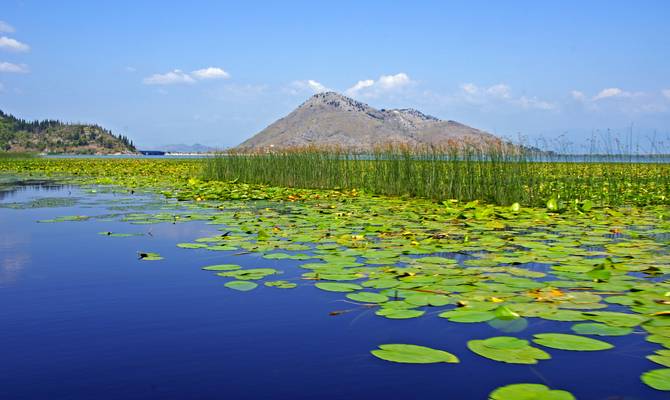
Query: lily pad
point(508, 350)
point(338, 286)
point(222, 267)
point(468, 316)
point(413, 354)
point(149, 256)
point(242, 286)
point(281, 284)
point(399, 313)
point(600, 329)
point(529, 391)
point(563, 341)
point(367, 297)
point(659, 379)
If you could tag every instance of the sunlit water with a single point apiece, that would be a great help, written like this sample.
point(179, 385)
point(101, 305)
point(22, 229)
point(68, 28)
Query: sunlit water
point(82, 318)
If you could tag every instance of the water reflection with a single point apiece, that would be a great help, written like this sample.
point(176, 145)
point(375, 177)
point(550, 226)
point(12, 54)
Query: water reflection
point(11, 260)
point(11, 187)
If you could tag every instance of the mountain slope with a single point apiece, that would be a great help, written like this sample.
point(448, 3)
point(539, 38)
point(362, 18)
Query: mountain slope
point(57, 137)
point(330, 119)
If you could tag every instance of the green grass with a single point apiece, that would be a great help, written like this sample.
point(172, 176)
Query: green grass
point(500, 175)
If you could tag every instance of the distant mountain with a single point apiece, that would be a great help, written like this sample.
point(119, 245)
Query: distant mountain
point(186, 148)
point(51, 136)
point(331, 119)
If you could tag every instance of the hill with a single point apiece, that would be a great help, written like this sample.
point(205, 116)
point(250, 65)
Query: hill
point(331, 119)
point(51, 136)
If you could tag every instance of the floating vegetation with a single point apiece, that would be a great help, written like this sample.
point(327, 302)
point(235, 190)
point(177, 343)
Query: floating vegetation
point(148, 256)
point(508, 349)
point(112, 234)
point(66, 218)
point(242, 286)
point(564, 341)
point(529, 391)
point(413, 354)
point(222, 267)
point(281, 284)
point(44, 202)
point(658, 378)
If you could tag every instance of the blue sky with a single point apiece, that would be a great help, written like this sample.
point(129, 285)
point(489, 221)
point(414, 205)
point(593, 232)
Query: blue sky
point(217, 72)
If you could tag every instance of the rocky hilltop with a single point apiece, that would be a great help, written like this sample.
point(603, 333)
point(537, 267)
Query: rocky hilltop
point(331, 119)
point(51, 136)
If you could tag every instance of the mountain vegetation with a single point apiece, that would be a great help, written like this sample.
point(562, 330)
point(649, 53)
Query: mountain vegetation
point(53, 136)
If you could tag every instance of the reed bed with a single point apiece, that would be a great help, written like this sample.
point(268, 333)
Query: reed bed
point(498, 173)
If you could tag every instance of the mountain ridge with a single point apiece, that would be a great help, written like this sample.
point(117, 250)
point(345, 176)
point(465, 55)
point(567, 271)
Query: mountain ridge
point(332, 119)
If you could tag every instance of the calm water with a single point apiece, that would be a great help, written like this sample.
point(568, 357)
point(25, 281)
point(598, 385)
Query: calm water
point(82, 318)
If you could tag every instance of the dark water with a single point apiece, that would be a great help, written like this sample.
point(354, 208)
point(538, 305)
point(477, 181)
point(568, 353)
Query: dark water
point(82, 318)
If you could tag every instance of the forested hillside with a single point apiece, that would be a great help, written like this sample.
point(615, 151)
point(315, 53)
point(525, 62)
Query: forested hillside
point(52, 136)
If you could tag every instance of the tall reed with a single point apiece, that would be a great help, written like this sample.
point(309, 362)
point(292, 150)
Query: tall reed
point(493, 172)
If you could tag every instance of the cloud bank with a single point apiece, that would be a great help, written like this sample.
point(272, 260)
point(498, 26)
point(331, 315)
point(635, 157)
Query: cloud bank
point(375, 88)
point(13, 68)
point(10, 44)
point(5, 27)
point(178, 76)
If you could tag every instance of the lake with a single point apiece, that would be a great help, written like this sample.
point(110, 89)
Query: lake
point(82, 317)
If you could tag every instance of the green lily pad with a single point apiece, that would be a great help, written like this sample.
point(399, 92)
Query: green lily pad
point(661, 357)
point(338, 286)
point(281, 284)
point(508, 350)
point(467, 316)
point(413, 354)
point(149, 256)
point(600, 329)
point(564, 341)
point(616, 318)
point(399, 313)
point(242, 286)
point(250, 274)
point(222, 267)
point(367, 297)
point(529, 391)
point(192, 245)
point(659, 379)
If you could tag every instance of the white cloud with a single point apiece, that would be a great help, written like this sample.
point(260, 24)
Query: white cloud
point(498, 94)
point(385, 83)
point(577, 95)
point(609, 92)
point(393, 81)
point(13, 68)
point(470, 88)
point(178, 76)
point(13, 44)
point(5, 27)
point(497, 91)
point(130, 69)
point(210, 73)
point(617, 100)
point(532, 102)
point(360, 85)
point(500, 90)
point(170, 78)
point(308, 85)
